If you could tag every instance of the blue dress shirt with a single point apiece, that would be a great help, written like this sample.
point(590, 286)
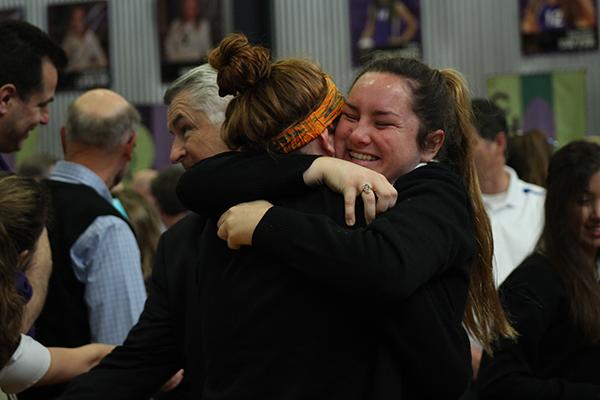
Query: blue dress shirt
point(106, 259)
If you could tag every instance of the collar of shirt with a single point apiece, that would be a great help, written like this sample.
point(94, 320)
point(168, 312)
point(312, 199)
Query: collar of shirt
point(513, 196)
point(66, 171)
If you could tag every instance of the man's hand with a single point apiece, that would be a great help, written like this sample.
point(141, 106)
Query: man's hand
point(352, 180)
point(237, 225)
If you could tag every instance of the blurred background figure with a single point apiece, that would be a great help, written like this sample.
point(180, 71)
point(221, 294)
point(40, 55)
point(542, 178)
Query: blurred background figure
point(146, 225)
point(189, 36)
point(515, 207)
point(37, 166)
point(389, 24)
point(140, 182)
point(529, 155)
point(557, 15)
point(163, 190)
point(553, 297)
point(81, 44)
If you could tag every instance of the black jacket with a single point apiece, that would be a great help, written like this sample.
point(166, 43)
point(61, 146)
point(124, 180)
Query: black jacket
point(551, 359)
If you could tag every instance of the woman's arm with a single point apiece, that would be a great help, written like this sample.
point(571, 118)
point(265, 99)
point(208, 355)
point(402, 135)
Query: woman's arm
point(66, 363)
point(33, 364)
point(218, 183)
point(428, 229)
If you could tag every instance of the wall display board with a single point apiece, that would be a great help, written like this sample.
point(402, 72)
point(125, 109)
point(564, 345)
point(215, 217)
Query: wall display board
point(82, 31)
point(16, 13)
point(385, 25)
point(553, 102)
point(551, 26)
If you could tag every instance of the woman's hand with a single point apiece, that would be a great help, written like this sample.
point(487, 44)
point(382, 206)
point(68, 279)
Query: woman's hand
point(352, 180)
point(173, 382)
point(237, 225)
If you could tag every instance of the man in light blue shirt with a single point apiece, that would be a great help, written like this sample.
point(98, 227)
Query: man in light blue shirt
point(96, 290)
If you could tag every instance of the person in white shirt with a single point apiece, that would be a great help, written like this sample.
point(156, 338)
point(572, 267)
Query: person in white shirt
point(515, 207)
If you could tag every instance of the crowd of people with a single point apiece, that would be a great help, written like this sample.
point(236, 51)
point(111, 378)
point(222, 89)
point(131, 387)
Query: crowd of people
point(369, 246)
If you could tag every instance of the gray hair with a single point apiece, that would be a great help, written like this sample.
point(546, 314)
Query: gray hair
point(104, 133)
point(200, 84)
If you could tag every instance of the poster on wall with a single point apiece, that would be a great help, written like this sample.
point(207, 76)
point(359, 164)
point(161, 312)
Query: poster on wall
point(553, 102)
point(82, 31)
point(17, 14)
point(388, 26)
point(188, 30)
point(554, 26)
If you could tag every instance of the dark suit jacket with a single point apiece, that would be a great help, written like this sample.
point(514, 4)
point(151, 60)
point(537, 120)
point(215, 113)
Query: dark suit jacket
point(165, 338)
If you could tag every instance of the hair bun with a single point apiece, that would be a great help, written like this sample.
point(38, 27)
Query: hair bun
point(240, 65)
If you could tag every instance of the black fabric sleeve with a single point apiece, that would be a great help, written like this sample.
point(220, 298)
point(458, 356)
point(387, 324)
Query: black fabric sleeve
point(532, 301)
point(147, 359)
point(428, 229)
point(215, 184)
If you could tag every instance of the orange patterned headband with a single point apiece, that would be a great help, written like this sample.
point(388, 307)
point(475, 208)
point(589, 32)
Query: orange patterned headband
point(312, 126)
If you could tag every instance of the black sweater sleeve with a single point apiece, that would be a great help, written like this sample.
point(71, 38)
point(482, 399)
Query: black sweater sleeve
point(215, 184)
point(429, 229)
point(535, 300)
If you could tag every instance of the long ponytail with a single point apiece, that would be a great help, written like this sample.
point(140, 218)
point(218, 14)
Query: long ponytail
point(484, 318)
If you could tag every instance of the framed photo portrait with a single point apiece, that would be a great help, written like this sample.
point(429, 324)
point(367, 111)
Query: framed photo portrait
point(82, 31)
point(15, 13)
point(390, 26)
point(188, 30)
point(557, 26)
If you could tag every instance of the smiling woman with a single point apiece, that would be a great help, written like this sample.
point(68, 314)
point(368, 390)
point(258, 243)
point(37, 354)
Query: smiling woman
point(378, 128)
point(553, 297)
point(423, 269)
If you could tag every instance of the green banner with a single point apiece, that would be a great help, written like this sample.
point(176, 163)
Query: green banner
point(553, 102)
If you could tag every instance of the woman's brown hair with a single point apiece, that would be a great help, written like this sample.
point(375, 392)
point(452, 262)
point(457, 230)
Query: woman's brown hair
point(146, 225)
point(569, 174)
point(529, 155)
point(23, 209)
point(269, 97)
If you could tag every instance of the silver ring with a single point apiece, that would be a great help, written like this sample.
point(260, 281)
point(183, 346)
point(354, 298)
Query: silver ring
point(366, 188)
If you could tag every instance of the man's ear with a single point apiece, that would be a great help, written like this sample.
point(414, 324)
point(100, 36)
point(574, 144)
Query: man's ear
point(326, 142)
point(501, 141)
point(7, 92)
point(130, 146)
point(433, 144)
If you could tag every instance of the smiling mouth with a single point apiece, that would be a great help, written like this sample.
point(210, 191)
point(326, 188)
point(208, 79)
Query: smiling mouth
point(594, 230)
point(362, 156)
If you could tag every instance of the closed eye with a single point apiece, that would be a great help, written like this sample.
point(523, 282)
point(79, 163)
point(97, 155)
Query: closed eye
point(349, 117)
